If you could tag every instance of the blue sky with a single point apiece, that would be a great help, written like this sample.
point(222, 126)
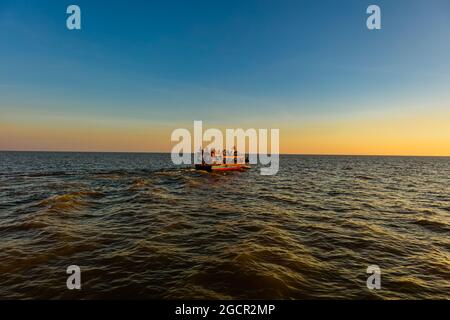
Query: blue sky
point(166, 61)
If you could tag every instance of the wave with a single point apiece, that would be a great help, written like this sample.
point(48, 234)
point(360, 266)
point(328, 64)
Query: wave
point(432, 225)
point(69, 201)
point(363, 177)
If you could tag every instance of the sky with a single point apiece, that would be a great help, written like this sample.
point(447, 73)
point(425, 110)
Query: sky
point(137, 70)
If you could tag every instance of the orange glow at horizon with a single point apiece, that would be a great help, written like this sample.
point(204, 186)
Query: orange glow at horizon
point(427, 135)
point(424, 135)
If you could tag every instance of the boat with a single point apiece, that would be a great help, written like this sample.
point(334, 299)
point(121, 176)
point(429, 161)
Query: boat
point(235, 165)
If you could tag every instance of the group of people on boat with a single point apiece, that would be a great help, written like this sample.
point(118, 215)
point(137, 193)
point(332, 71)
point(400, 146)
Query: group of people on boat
point(214, 156)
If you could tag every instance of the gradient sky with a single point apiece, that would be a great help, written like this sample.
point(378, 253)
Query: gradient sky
point(139, 69)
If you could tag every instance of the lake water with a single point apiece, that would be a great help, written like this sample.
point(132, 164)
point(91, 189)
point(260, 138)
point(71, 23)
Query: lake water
point(140, 227)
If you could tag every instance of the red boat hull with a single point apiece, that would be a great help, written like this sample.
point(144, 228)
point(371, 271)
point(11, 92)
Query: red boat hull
point(221, 167)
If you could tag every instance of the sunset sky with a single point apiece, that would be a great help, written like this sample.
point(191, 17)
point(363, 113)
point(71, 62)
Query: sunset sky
point(139, 69)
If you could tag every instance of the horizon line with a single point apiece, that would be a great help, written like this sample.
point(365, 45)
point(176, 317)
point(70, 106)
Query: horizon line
point(293, 154)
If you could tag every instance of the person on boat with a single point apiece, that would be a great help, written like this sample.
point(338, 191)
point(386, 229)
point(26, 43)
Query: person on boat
point(235, 154)
point(224, 156)
point(203, 159)
point(213, 155)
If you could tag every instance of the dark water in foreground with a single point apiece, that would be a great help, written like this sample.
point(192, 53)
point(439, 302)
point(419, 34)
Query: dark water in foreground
point(140, 228)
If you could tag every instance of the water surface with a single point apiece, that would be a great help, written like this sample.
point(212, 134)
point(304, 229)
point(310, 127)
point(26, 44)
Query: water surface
point(140, 227)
